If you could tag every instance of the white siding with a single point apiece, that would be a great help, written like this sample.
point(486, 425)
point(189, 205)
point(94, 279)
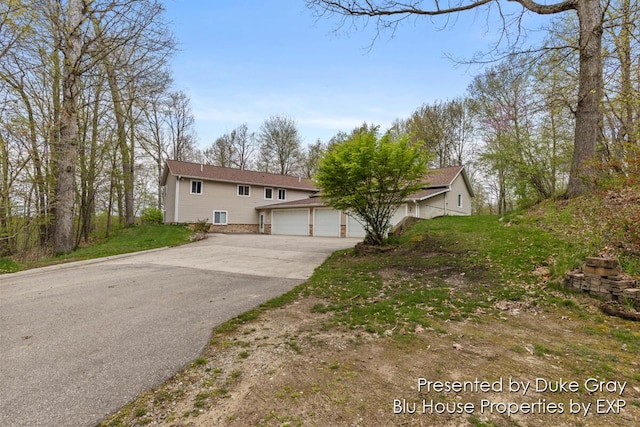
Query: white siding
point(398, 215)
point(458, 187)
point(432, 207)
point(221, 196)
point(170, 200)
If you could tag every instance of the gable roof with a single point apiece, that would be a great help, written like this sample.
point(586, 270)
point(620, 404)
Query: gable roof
point(217, 173)
point(440, 180)
point(443, 177)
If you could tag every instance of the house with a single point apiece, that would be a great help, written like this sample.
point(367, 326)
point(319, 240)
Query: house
point(448, 192)
point(235, 200)
point(225, 197)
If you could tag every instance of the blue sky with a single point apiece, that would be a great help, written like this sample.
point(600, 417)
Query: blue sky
point(242, 61)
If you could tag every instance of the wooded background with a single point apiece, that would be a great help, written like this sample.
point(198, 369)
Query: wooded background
point(89, 114)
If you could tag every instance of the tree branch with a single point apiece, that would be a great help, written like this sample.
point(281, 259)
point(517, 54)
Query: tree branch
point(388, 8)
point(547, 9)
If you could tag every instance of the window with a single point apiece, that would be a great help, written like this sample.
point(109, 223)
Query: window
point(459, 200)
point(196, 187)
point(244, 190)
point(282, 194)
point(268, 193)
point(220, 217)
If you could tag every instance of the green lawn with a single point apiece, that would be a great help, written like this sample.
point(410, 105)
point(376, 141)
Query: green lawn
point(457, 266)
point(125, 240)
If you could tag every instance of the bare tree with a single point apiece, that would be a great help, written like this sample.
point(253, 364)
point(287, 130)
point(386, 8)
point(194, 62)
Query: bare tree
point(245, 147)
point(390, 13)
point(232, 150)
point(279, 145)
point(180, 119)
point(220, 152)
point(154, 139)
point(311, 159)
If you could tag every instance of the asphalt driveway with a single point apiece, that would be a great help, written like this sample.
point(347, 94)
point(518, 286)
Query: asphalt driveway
point(80, 340)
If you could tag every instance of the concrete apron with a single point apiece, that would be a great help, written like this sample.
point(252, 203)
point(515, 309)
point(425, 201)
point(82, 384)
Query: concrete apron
point(290, 257)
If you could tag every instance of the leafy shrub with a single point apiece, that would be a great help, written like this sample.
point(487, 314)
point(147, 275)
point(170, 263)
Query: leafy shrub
point(152, 216)
point(201, 226)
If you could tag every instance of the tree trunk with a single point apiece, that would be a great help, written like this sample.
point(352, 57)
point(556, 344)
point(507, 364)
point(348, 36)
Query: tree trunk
point(67, 148)
point(47, 229)
point(121, 132)
point(5, 201)
point(588, 115)
point(88, 159)
point(628, 131)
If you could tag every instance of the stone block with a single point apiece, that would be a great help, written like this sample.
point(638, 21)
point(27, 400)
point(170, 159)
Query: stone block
point(601, 271)
point(611, 263)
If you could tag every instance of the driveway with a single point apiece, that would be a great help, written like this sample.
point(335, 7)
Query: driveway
point(80, 340)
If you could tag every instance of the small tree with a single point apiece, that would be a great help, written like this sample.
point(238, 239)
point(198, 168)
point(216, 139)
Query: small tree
point(370, 176)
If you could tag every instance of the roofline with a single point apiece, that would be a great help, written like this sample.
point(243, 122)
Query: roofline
point(444, 190)
point(286, 205)
point(165, 174)
point(466, 180)
point(167, 170)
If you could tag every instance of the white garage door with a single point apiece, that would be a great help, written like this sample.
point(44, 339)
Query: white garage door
point(295, 222)
point(326, 222)
point(354, 228)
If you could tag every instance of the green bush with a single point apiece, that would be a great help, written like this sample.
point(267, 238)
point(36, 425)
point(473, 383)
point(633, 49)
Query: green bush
point(201, 226)
point(152, 216)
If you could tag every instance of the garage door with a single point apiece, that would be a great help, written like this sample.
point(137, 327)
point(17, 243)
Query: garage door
point(354, 228)
point(326, 222)
point(295, 222)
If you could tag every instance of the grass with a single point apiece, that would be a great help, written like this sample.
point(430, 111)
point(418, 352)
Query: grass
point(9, 266)
point(491, 261)
point(122, 241)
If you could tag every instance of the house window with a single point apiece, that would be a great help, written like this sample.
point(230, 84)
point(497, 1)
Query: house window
point(196, 187)
point(282, 194)
point(459, 200)
point(244, 190)
point(219, 217)
point(268, 193)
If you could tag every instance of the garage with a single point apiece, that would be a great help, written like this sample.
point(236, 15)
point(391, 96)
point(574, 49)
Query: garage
point(293, 222)
point(354, 228)
point(326, 222)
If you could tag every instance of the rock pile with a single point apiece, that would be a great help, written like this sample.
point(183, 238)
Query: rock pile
point(601, 278)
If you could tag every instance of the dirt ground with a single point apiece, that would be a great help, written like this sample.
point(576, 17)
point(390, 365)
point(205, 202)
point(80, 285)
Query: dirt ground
point(286, 369)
